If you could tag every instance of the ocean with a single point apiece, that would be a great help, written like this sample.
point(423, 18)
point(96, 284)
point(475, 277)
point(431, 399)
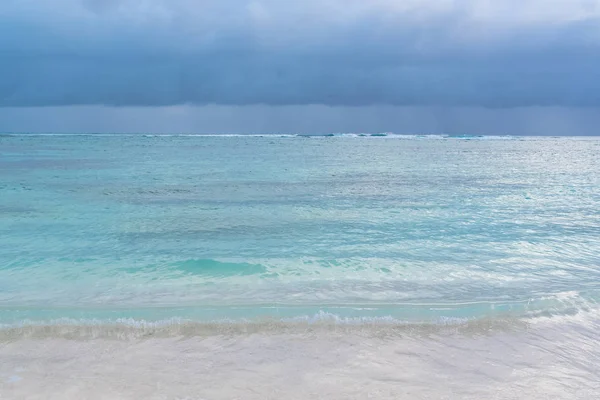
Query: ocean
point(297, 267)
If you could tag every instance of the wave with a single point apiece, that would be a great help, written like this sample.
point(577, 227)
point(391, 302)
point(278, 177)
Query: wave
point(213, 268)
point(320, 322)
point(239, 302)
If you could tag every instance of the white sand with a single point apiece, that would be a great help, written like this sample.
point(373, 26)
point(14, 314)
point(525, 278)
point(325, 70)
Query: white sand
point(540, 361)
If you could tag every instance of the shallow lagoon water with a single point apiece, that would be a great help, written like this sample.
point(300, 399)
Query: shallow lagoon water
point(390, 250)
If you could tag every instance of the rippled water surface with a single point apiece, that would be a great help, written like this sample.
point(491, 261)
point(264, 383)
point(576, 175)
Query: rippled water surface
point(206, 237)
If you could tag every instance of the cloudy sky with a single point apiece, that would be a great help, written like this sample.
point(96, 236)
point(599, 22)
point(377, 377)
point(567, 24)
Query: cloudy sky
point(407, 66)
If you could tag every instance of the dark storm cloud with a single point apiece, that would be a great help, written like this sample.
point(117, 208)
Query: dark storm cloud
point(346, 53)
point(260, 119)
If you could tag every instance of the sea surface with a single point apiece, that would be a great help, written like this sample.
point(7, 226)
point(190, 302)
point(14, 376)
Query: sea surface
point(296, 267)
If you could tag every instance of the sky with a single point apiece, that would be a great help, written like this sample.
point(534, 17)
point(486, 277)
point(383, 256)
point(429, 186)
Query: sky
point(529, 67)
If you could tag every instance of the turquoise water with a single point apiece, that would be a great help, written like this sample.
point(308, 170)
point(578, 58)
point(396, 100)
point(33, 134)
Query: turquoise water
point(350, 228)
